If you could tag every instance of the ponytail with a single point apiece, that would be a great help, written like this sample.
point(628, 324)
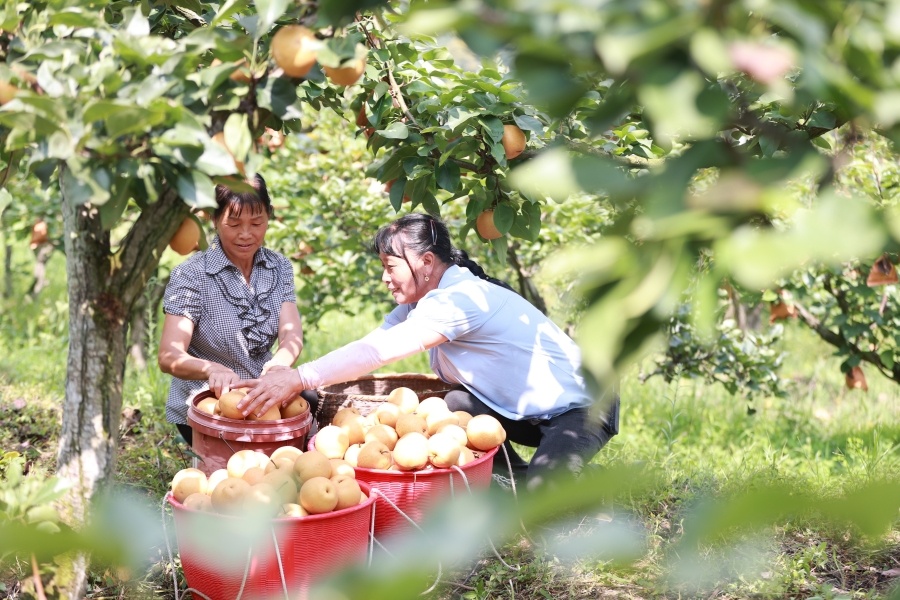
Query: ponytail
point(461, 258)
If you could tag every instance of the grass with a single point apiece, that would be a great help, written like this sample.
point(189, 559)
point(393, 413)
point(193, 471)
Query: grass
point(823, 440)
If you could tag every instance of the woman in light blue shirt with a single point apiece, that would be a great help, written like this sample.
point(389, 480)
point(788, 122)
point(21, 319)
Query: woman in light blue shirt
point(504, 357)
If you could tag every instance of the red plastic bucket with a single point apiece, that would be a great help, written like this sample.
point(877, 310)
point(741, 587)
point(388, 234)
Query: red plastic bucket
point(216, 438)
point(217, 550)
point(415, 492)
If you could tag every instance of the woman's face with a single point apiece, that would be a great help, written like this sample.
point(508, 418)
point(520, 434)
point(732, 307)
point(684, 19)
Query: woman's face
point(242, 234)
point(399, 279)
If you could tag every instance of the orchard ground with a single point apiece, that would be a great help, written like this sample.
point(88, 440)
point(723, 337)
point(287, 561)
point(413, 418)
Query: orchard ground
point(823, 439)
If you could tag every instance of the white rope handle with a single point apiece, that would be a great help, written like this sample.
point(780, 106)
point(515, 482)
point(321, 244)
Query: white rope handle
point(165, 502)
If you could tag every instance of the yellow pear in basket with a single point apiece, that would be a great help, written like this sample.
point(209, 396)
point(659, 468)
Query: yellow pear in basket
point(465, 456)
point(430, 404)
point(214, 479)
point(228, 497)
point(387, 414)
point(253, 475)
point(311, 464)
point(282, 462)
point(198, 501)
point(347, 491)
point(228, 404)
point(464, 417)
point(343, 414)
point(292, 509)
point(409, 423)
point(443, 451)
point(374, 455)
point(207, 405)
point(353, 427)
point(318, 495)
point(262, 499)
point(384, 434)
point(340, 466)
point(332, 441)
point(411, 452)
point(188, 481)
point(405, 398)
point(351, 454)
point(485, 432)
point(457, 432)
point(284, 483)
point(294, 408)
point(291, 452)
point(240, 461)
point(439, 418)
point(273, 414)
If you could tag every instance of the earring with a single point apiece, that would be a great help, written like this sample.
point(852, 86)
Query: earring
point(426, 278)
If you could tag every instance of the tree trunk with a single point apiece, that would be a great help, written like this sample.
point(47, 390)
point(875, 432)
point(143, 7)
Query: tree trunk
point(142, 317)
point(103, 288)
point(527, 289)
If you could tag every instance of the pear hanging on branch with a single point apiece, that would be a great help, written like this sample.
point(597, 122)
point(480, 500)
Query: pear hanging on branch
point(856, 379)
point(883, 272)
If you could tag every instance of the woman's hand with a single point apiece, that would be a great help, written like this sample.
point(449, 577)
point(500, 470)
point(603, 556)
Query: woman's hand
point(272, 366)
point(222, 379)
point(278, 387)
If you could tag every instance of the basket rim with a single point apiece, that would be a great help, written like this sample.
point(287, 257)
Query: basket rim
point(418, 377)
point(365, 486)
point(421, 473)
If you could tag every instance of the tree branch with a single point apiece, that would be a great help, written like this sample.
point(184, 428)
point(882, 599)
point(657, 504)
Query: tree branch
point(139, 252)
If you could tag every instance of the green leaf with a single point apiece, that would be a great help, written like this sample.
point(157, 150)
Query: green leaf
point(504, 216)
point(228, 8)
point(269, 12)
point(197, 190)
point(447, 176)
point(237, 136)
point(136, 24)
point(395, 131)
point(458, 115)
point(492, 127)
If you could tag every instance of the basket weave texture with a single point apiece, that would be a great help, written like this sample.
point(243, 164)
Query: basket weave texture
point(368, 391)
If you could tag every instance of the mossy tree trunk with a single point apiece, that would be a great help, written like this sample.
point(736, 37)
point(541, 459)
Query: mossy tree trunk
point(104, 283)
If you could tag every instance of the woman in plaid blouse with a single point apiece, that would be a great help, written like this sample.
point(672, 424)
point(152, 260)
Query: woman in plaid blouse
point(225, 307)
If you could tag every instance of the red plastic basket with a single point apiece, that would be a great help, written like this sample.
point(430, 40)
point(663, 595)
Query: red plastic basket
point(216, 550)
point(415, 492)
point(216, 438)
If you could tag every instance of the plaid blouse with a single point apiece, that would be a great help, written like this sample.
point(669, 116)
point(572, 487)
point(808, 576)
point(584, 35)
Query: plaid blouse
point(235, 324)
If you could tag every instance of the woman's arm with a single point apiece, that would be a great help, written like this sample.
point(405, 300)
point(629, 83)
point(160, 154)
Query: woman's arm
point(173, 357)
point(379, 348)
point(290, 338)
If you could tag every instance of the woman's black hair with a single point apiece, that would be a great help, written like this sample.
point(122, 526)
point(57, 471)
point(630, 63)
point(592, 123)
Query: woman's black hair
point(421, 233)
point(257, 201)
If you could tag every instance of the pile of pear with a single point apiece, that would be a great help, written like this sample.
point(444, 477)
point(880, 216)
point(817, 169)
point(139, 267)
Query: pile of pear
point(406, 434)
point(226, 406)
point(290, 483)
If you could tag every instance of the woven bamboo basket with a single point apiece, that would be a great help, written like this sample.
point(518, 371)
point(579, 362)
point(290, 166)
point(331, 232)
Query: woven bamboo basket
point(368, 391)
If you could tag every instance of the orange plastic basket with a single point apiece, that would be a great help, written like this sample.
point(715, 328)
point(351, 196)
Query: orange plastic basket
point(415, 492)
point(223, 560)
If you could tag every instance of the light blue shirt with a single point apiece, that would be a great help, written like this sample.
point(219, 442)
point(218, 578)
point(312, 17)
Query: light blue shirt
point(504, 350)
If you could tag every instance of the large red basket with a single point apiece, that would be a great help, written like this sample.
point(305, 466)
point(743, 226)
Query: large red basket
point(216, 438)
point(413, 493)
point(216, 550)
